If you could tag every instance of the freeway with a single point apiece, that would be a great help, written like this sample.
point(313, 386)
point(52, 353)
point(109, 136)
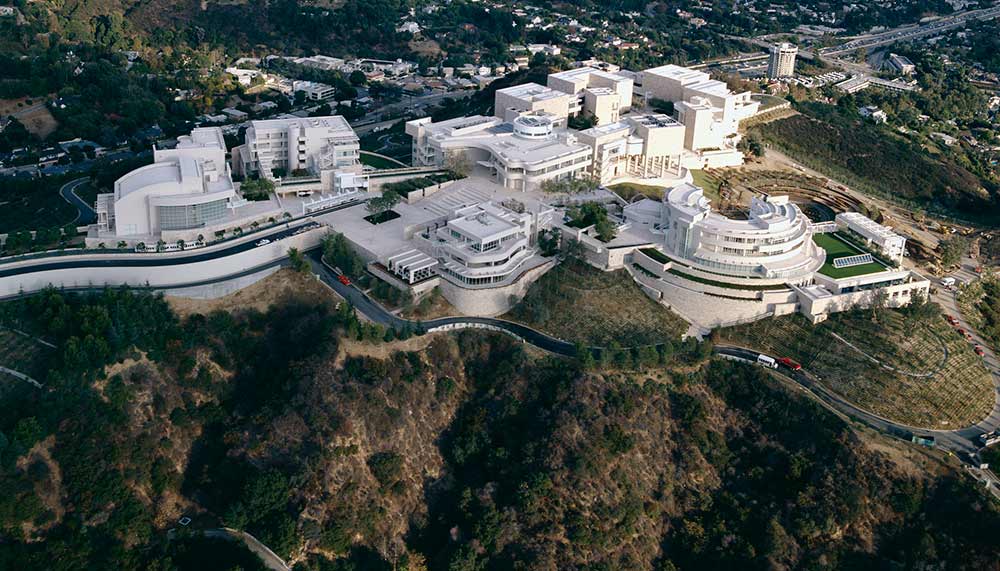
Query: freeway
point(913, 32)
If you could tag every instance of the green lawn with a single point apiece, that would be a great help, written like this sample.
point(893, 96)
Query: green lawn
point(380, 162)
point(837, 248)
point(708, 182)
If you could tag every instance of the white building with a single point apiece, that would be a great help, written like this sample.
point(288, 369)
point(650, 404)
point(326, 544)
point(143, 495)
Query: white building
point(641, 146)
point(519, 155)
point(873, 113)
point(600, 94)
point(186, 191)
point(314, 144)
point(900, 64)
point(890, 244)
point(774, 242)
point(322, 62)
point(710, 112)
point(480, 245)
point(314, 91)
point(511, 102)
point(243, 76)
point(716, 270)
point(781, 61)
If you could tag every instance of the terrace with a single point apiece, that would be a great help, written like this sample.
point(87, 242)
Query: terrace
point(837, 247)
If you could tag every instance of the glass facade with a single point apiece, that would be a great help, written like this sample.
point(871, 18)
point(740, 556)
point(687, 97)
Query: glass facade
point(192, 216)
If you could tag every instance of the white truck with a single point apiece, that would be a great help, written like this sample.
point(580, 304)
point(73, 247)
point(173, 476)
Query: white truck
point(766, 361)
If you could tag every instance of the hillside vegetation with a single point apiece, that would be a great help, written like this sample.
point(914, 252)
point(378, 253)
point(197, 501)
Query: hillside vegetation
point(464, 455)
point(875, 160)
point(919, 372)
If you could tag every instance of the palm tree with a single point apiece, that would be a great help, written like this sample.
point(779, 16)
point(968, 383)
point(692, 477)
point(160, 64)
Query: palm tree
point(159, 245)
point(181, 244)
point(141, 247)
point(201, 239)
point(122, 245)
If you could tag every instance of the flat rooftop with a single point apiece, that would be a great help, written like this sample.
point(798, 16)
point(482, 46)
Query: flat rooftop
point(202, 137)
point(532, 92)
point(481, 224)
point(332, 122)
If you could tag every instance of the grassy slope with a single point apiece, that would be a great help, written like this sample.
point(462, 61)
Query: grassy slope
point(878, 162)
point(957, 393)
point(576, 302)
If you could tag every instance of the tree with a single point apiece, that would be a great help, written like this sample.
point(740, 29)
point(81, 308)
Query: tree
point(878, 302)
point(257, 189)
point(953, 250)
point(458, 163)
point(382, 204)
point(298, 260)
point(358, 77)
point(584, 358)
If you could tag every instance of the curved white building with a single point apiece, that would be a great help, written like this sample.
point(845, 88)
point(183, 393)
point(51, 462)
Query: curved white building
point(774, 242)
point(185, 188)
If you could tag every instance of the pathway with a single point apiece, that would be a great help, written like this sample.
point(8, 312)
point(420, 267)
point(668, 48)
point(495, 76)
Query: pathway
point(21, 376)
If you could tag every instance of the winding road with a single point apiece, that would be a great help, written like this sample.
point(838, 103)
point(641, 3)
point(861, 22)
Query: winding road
point(964, 440)
point(84, 212)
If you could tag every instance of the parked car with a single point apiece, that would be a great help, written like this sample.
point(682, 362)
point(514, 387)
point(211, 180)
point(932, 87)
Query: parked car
point(264, 242)
point(344, 279)
point(979, 350)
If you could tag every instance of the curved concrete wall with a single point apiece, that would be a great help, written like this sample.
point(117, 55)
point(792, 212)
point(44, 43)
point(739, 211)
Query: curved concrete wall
point(159, 276)
point(490, 302)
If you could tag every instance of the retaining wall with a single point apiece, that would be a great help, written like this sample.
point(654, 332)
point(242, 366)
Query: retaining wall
point(490, 302)
point(167, 277)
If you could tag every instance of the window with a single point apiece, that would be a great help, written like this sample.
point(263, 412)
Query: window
point(191, 216)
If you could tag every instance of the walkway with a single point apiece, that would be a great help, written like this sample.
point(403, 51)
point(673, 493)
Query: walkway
point(21, 376)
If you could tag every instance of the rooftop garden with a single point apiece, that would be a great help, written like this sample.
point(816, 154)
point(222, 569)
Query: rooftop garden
point(837, 246)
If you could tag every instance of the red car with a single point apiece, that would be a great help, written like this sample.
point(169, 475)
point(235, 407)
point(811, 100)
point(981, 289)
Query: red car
point(979, 351)
point(343, 279)
point(961, 331)
point(789, 363)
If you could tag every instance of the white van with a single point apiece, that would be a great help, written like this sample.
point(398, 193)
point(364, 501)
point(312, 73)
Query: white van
point(948, 281)
point(766, 361)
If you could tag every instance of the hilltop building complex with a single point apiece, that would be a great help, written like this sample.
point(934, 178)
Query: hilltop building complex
point(529, 142)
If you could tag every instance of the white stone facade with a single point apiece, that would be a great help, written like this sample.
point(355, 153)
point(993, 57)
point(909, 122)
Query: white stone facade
point(186, 188)
point(519, 155)
point(315, 144)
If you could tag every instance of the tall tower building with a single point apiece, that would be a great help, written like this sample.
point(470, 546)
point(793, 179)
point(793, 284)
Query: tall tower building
point(782, 60)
